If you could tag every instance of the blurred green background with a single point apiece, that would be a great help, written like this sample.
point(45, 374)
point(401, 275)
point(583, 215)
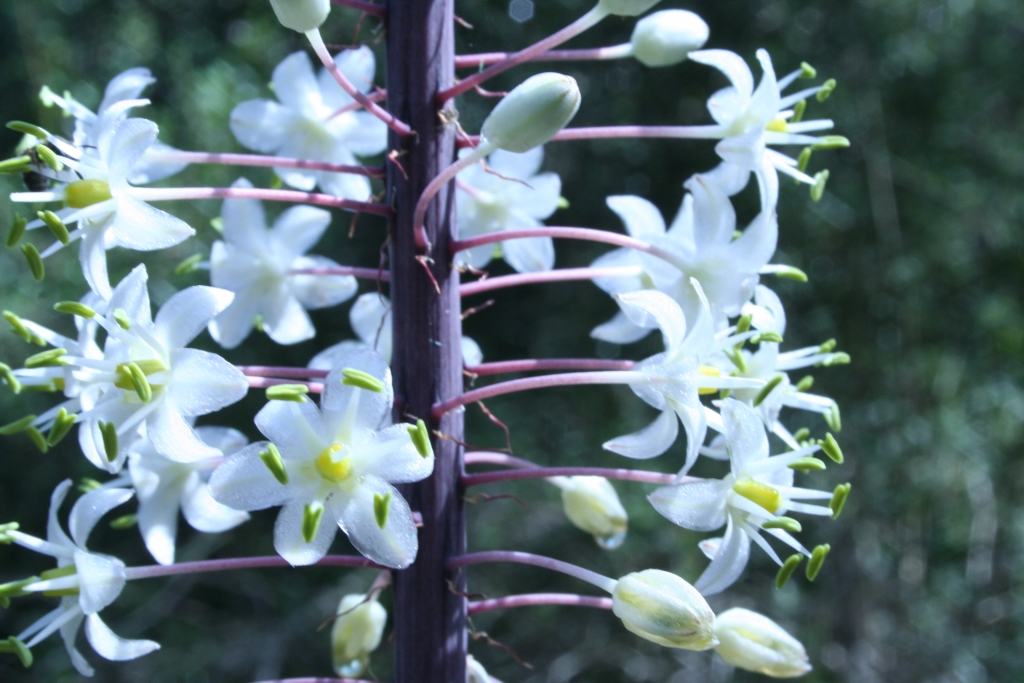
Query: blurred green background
point(915, 260)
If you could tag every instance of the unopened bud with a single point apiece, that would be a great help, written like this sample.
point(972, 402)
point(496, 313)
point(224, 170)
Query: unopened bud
point(663, 608)
point(627, 8)
point(532, 113)
point(593, 506)
point(356, 633)
point(301, 15)
point(754, 642)
point(667, 37)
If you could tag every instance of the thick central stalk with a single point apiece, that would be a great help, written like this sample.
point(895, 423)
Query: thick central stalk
point(430, 618)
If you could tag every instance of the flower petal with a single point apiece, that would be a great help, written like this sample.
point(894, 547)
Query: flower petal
point(729, 562)
point(101, 580)
point(530, 255)
point(695, 505)
point(651, 308)
point(393, 546)
point(174, 438)
point(286, 321)
point(139, 226)
point(371, 321)
point(471, 353)
point(54, 532)
point(243, 482)
point(146, 171)
point(295, 428)
point(158, 519)
point(391, 455)
point(745, 435)
point(203, 382)
point(260, 125)
point(226, 439)
point(649, 442)
point(329, 357)
point(132, 296)
point(513, 165)
point(619, 330)
point(205, 514)
point(123, 147)
point(295, 85)
point(288, 540)
point(321, 291)
point(92, 254)
point(127, 85)
point(111, 646)
point(730, 64)
point(245, 225)
point(642, 219)
point(68, 633)
point(90, 508)
point(358, 66)
point(186, 314)
point(346, 407)
point(299, 228)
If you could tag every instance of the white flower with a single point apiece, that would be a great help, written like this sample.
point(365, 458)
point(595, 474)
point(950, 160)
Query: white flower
point(356, 633)
point(702, 240)
point(96, 185)
point(255, 263)
point(303, 123)
point(511, 196)
point(475, 671)
point(664, 609)
point(164, 487)
point(593, 506)
point(757, 492)
point(333, 467)
point(754, 642)
point(87, 581)
point(676, 377)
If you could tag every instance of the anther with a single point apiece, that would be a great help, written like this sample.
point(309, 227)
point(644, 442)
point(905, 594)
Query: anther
point(17, 230)
point(35, 261)
point(787, 569)
point(818, 556)
point(767, 389)
point(364, 380)
point(272, 459)
point(381, 508)
point(288, 392)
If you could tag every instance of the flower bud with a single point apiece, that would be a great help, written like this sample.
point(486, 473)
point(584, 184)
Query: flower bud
point(592, 505)
point(301, 15)
point(754, 642)
point(667, 37)
point(664, 609)
point(532, 113)
point(357, 632)
point(627, 8)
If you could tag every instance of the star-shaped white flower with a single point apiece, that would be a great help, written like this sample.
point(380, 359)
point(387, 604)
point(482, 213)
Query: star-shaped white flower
point(511, 195)
point(757, 491)
point(256, 264)
point(332, 467)
point(305, 124)
point(87, 581)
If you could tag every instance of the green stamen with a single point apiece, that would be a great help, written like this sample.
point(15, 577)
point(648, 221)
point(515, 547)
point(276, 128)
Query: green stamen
point(189, 265)
point(8, 376)
point(787, 569)
point(805, 383)
point(807, 464)
point(14, 646)
point(74, 308)
point(17, 230)
point(831, 142)
point(121, 318)
point(47, 156)
point(791, 273)
point(61, 426)
point(839, 499)
point(801, 434)
point(785, 523)
point(743, 324)
point(364, 380)
point(56, 225)
point(311, 516)
point(288, 392)
point(17, 426)
point(108, 430)
point(16, 165)
point(19, 327)
point(124, 522)
point(272, 459)
point(381, 508)
point(827, 88)
point(767, 389)
point(87, 484)
point(807, 71)
point(818, 556)
point(37, 439)
point(830, 447)
point(818, 188)
point(35, 261)
point(47, 359)
point(421, 439)
point(798, 112)
point(28, 129)
point(767, 336)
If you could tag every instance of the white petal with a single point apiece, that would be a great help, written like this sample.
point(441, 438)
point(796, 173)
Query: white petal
point(368, 136)
point(755, 247)
point(744, 432)
point(651, 308)
point(299, 228)
point(146, 171)
point(471, 353)
point(619, 330)
point(360, 407)
point(393, 546)
point(158, 520)
point(187, 313)
point(174, 438)
point(203, 382)
point(642, 219)
point(243, 482)
point(260, 125)
point(132, 296)
point(321, 291)
point(124, 146)
point(529, 255)
point(101, 580)
point(92, 255)
point(90, 508)
point(714, 217)
point(328, 358)
point(691, 414)
point(695, 505)
point(68, 632)
point(54, 532)
point(231, 327)
point(730, 64)
point(344, 185)
point(295, 428)
point(111, 646)
point(226, 439)
point(295, 84)
point(358, 66)
point(370, 320)
point(537, 198)
point(127, 85)
point(288, 541)
point(391, 455)
point(245, 225)
point(513, 165)
point(649, 442)
point(139, 226)
point(204, 513)
point(286, 321)
point(728, 564)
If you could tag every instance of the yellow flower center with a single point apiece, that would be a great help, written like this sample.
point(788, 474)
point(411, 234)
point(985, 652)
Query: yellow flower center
point(83, 193)
point(762, 494)
point(777, 125)
point(708, 371)
point(332, 470)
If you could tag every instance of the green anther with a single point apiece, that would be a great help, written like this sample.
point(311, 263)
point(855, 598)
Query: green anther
point(46, 96)
point(831, 142)
point(725, 393)
point(19, 327)
point(87, 484)
point(272, 459)
point(792, 273)
point(801, 434)
point(37, 340)
point(832, 418)
point(217, 224)
point(35, 261)
point(37, 439)
point(785, 523)
point(74, 308)
point(82, 193)
point(17, 426)
point(17, 230)
point(188, 265)
point(818, 188)
point(364, 380)
point(421, 438)
point(108, 430)
point(839, 500)
point(5, 529)
point(805, 383)
point(798, 111)
point(49, 158)
point(767, 336)
point(562, 203)
point(140, 383)
point(807, 71)
point(767, 389)
point(311, 516)
point(827, 346)
point(56, 225)
point(13, 589)
point(28, 129)
point(737, 359)
point(122, 319)
point(736, 234)
point(826, 89)
point(807, 464)
point(839, 358)
point(257, 322)
point(830, 447)
point(61, 426)
point(124, 522)
point(8, 376)
point(787, 569)
point(288, 392)
point(48, 388)
point(818, 556)
point(59, 572)
point(802, 161)
point(743, 324)
point(46, 359)
point(381, 508)
point(14, 646)
point(16, 165)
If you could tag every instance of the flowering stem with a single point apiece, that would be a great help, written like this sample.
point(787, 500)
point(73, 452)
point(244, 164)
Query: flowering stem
point(561, 275)
point(575, 28)
point(599, 580)
point(178, 156)
point(317, 41)
point(641, 476)
point(279, 371)
point(533, 365)
point(435, 185)
point(202, 566)
point(156, 194)
point(491, 458)
point(531, 599)
point(365, 273)
point(559, 380)
point(599, 53)
point(363, 6)
point(267, 382)
point(612, 132)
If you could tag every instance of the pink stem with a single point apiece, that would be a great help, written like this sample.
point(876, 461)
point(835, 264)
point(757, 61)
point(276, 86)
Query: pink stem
point(434, 186)
point(318, 680)
point(559, 380)
point(266, 382)
point(532, 365)
point(490, 458)
point(532, 599)
point(610, 132)
point(363, 6)
point(602, 582)
point(375, 96)
point(561, 275)
point(400, 127)
point(588, 234)
point(202, 566)
point(261, 160)
point(279, 371)
point(484, 58)
point(148, 194)
point(365, 273)
point(545, 472)
point(575, 28)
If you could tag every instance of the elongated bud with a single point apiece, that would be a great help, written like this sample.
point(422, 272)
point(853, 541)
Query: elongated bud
point(356, 633)
point(661, 607)
point(593, 506)
point(301, 15)
point(754, 642)
point(532, 113)
point(667, 37)
point(627, 8)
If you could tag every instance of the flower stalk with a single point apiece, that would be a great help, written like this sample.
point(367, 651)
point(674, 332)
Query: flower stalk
point(603, 582)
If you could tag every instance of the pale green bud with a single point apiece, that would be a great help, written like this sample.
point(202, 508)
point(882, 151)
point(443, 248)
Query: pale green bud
point(667, 37)
point(301, 15)
point(356, 633)
point(593, 506)
point(627, 8)
point(754, 642)
point(661, 607)
point(532, 113)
